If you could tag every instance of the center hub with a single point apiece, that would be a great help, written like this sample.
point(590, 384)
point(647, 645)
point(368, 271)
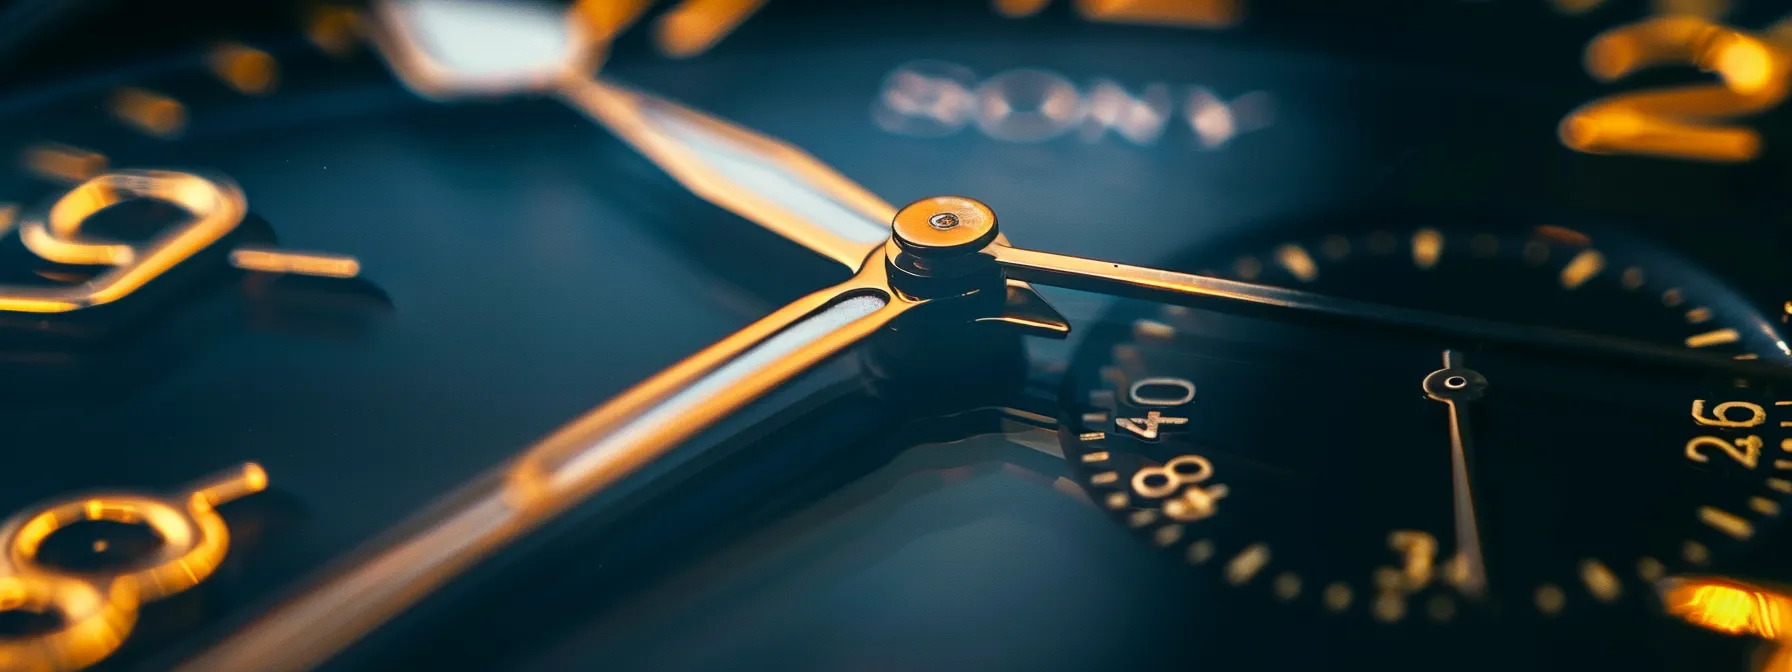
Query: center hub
point(934, 245)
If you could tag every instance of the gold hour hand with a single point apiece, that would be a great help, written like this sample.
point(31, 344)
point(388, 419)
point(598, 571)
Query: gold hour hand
point(763, 179)
point(589, 454)
point(617, 439)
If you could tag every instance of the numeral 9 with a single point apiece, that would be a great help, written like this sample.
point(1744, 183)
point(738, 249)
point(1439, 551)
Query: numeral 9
point(216, 207)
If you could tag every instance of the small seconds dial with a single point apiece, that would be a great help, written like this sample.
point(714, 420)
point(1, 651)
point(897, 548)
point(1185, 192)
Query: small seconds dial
point(1413, 491)
point(1398, 485)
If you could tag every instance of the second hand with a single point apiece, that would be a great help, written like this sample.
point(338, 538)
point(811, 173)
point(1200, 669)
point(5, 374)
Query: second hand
point(1455, 385)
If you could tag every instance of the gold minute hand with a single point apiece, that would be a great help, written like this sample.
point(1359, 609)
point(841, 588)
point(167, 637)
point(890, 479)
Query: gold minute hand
point(1160, 285)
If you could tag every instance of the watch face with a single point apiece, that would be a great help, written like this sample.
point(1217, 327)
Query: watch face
point(485, 334)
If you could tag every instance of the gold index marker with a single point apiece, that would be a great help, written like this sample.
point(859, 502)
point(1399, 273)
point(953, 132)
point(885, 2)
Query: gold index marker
point(332, 29)
point(1710, 338)
point(694, 26)
point(63, 163)
point(1244, 566)
point(1600, 581)
point(605, 19)
point(150, 112)
point(1582, 268)
point(271, 260)
point(1726, 522)
point(1015, 9)
point(1427, 246)
point(1180, 13)
point(1296, 260)
point(245, 68)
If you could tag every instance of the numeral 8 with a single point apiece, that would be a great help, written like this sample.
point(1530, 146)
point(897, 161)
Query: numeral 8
point(1158, 482)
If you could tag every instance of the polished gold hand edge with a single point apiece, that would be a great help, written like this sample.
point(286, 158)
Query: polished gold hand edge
point(585, 456)
point(622, 111)
point(1468, 528)
point(1153, 284)
point(1455, 385)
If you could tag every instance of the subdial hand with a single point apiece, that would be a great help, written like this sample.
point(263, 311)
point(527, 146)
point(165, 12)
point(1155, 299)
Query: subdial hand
point(1152, 284)
point(1456, 385)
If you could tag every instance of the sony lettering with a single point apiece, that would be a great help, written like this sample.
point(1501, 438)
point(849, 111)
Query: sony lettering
point(931, 99)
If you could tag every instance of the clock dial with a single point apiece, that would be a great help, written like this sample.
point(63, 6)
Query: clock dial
point(492, 331)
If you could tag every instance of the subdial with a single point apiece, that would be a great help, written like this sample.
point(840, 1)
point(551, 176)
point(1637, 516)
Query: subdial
point(1374, 483)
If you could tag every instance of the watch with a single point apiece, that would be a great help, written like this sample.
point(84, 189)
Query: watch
point(486, 334)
